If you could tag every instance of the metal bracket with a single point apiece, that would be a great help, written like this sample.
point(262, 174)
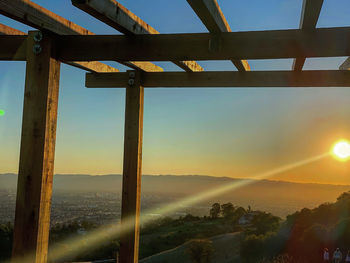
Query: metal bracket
point(37, 49)
point(132, 76)
point(38, 36)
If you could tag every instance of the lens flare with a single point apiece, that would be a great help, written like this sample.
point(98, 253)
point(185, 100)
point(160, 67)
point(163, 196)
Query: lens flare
point(341, 150)
point(2, 112)
point(78, 244)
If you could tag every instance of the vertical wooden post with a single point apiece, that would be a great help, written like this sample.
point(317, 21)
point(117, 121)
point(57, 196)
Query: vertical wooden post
point(129, 247)
point(36, 164)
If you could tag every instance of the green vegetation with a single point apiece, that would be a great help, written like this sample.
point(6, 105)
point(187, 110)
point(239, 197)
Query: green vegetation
point(166, 233)
point(264, 237)
point(303, 235)
point(61, 232)
point(200, 250)
point(6, 231)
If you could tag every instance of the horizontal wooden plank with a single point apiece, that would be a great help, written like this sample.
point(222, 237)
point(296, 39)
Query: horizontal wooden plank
point(314, 78)
point(214, 20)
point(20, 53)
point(6, 30)
point(34, 15)
point(117, 16)
point(93, 66)
point(323, 42)
point(13, 47)
point(142, 65)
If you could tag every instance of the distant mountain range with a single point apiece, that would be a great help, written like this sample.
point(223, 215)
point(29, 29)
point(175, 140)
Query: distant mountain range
point(278, 197)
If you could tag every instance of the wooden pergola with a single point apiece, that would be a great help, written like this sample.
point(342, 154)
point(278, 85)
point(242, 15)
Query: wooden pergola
point(60, 40)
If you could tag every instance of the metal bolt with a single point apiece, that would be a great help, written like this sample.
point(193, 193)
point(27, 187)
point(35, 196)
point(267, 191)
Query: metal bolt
point(131, 82)
point(37, 49)
point(38, 36)
point(131, 74)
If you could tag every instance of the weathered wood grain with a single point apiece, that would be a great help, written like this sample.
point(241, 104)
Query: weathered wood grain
point(92, 66)
point(117, 16)
point(310, 78)
point(132, 170)
point(213, 18)
point(36, 165)
point(36, 16)
point(321, 42)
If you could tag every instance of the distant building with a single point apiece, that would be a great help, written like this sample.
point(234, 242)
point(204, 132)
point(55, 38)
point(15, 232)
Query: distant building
point(247, 218)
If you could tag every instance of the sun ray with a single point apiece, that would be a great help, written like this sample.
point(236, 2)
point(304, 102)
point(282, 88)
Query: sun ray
point(93, 239)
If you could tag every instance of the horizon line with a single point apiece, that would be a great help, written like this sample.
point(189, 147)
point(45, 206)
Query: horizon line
point(200, 175)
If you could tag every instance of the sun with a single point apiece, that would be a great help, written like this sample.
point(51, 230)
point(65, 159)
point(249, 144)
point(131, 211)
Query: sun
point(341, 150)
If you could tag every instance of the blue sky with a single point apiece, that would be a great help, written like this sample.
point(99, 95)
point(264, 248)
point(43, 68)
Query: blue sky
point(219, 132)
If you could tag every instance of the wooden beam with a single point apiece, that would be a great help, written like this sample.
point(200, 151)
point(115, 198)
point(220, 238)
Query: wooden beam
point(36, 165)
point(309, 16)
point(322, 42)
point(117, 16)
point(93, 66)
point(6, 30)
point(312, 78)
point(36, 16)
point(13, 47)
point(212, 17)
point(132, 170)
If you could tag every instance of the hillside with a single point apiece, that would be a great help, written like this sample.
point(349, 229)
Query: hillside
point(226, 250)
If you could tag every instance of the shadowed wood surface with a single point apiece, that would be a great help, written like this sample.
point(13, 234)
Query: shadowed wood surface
point(36, 165)
point(117, 16)
point(93, 66)
point(36, 16)
point(212, 17)
point(312, 78)
point(132, 170)
point(13, 47)
point(322, 42)
point(309, 16)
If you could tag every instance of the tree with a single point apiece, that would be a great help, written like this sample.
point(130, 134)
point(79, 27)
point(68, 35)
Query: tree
point(265, 222)
point(227, 210)
point(240, 211)
point(252, 248)
point(215, 210)
point(6, 232)
point(344, 197)
point(200, 250)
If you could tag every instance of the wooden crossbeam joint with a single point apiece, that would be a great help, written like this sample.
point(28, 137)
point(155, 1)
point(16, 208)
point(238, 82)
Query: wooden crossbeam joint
point(310, 13)
point(117, 16)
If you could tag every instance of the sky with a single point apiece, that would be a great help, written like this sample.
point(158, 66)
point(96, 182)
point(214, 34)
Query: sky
point(236, 132)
